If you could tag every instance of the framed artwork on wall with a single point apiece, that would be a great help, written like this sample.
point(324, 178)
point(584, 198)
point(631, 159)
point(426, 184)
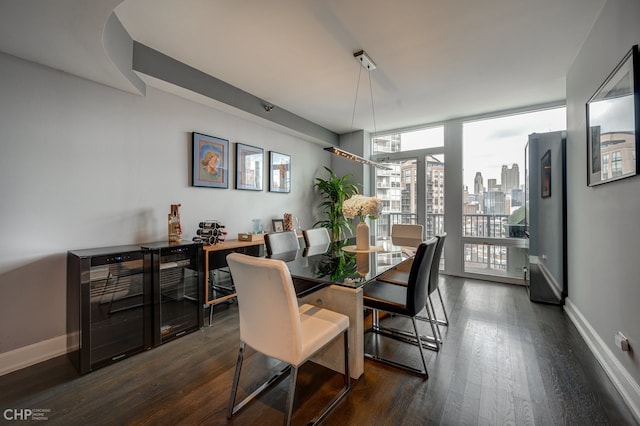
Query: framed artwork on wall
point(210, 166)
point(613, 118)
point(249, 167)
point(545, 175)
point(279, 172)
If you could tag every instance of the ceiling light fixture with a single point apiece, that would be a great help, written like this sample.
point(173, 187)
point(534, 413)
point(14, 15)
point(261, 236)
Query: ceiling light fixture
point(368, 64)
point(353, 157)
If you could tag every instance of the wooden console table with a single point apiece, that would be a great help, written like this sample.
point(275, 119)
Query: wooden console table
point(215, 258)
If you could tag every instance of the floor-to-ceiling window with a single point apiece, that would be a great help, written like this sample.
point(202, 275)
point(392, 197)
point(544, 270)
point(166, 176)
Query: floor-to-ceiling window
point(485, 187)
point(494, 197)
point(412, 186)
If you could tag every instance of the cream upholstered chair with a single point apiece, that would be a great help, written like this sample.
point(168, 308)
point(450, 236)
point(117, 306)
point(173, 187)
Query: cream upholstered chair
point(406, 235)
point(406, 301)
point(316, 237)
point(281, 242)
point(316, 249)
point(272, 323)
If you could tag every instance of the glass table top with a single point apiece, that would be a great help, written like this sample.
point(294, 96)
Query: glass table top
point(332, 264)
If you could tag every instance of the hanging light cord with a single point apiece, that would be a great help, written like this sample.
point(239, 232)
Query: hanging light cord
point(355, 103)
point(349, 155)
point(373, 109)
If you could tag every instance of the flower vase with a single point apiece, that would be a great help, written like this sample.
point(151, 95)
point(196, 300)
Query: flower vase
point(362, 236)
point(362, 264)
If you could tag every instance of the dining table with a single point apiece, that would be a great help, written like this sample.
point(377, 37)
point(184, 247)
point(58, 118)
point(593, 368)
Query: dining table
point(332, 276)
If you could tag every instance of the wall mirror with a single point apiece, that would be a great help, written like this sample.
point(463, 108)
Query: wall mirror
point(613, 120)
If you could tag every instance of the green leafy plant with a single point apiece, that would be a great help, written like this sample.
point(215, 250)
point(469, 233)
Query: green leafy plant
point(337, 264)
point(335, 191)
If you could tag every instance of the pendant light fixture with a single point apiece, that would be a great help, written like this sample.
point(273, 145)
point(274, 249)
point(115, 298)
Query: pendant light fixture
point(368, 64)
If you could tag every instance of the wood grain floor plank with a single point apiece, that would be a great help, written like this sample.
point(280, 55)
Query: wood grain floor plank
point(504, 361)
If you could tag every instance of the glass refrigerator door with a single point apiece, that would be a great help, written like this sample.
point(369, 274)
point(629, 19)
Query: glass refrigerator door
point(179, 286)
point(116, 310)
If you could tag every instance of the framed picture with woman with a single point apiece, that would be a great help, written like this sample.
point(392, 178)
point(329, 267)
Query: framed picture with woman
point(210, 161)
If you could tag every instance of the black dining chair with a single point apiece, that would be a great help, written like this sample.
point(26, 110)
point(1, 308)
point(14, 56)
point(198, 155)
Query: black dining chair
point(434, 278)
point(281, 242)
point(400, 275)
point(407, 301)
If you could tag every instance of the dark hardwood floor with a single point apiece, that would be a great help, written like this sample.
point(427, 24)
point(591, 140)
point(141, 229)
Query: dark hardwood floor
point(504, 360)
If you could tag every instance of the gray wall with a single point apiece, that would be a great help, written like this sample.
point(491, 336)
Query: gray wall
point(546, 218)
point(84, 165)
point(603, 231)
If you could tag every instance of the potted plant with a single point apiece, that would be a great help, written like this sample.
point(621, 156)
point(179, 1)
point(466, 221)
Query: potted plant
point(334, 191)
point(338, 264)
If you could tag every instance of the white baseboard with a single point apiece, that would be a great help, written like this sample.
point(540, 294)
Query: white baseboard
point(32, 354)
point(553, 284)
point(620, 377)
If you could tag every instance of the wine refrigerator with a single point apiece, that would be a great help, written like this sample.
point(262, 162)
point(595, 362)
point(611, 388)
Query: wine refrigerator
point(109, 305)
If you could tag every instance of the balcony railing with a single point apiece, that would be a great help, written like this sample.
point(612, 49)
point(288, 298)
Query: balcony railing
point(495, 259)
point(473, 225)
point(435, 222)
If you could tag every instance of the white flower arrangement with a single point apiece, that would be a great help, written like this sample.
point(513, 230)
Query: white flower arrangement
point(361, 206)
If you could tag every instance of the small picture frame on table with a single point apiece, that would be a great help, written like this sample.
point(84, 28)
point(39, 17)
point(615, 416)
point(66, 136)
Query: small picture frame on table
point(278, 225)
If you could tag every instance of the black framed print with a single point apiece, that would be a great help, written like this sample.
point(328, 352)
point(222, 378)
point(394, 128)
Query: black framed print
point(613, 120)
point(279, 172)
point(545, 175)
point(249, 167)
point(210, 166)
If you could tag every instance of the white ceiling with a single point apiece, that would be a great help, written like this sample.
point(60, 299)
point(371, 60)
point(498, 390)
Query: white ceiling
point(436, 60)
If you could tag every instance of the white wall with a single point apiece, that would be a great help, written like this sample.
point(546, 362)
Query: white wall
point(84, 165)
point(603, 231)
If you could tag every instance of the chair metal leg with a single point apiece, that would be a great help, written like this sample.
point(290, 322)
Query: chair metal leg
point(427, 342)
point(433, 319)
point(290, 396)
point(435, 328)
point(236, 379)
point(347, 374)
point(444, 310)
point(432, 342)
point(231, 410)
point(424, 362)
point(406, 337)
point(347, 384)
